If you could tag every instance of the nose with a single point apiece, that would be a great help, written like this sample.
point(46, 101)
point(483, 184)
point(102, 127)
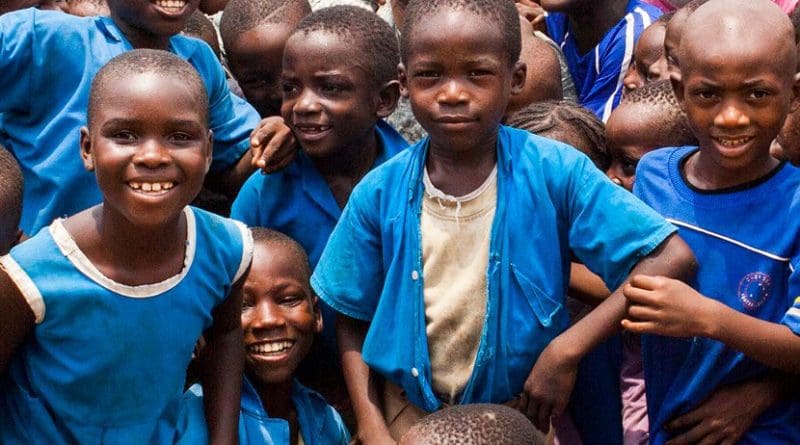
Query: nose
point(307, 102)
point(731, 115)
point(452, 93)
point(267, 315)
point(613, 174)
point(152, 154)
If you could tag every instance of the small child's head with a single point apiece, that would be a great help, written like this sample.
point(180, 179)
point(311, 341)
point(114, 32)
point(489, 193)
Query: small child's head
point(737, 61)
point(254, 34)
point(566, 122)
point(459, 81)
point(87, 8)
point(201, 27)
point(150, 23)
point(339, 78)
point(10, 201)
point(279, 313)
point(147, 138)
point(543, 78)
point(647, 118)
point(787, 143)
point(649, 62)
point(477, 424)
point(674, 32)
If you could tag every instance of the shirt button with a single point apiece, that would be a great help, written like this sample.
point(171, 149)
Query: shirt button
point(414, 372)
point(415, 275)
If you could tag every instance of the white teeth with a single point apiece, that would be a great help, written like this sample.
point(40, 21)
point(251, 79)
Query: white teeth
point(271, 347)
point(147, 187)
point(154, 187)
point(135, 185)
point(733, 142)
point(157, 187)
point(171, 4)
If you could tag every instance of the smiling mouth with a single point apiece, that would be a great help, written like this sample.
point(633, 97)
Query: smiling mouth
point(312, 129)
point(270, 349)
point(151, 188)
point(732, 142)
point(171, 6)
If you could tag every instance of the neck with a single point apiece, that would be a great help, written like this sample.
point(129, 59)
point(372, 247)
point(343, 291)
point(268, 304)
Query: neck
point(139, 38)
point(705, 173)
point(591, 21)
point(276, 398)
point(459, 172)
point(135, 244)
point(351, 162)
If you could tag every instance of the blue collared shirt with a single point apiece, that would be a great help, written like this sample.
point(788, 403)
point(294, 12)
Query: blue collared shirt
point(551, 200)
point(48, 60)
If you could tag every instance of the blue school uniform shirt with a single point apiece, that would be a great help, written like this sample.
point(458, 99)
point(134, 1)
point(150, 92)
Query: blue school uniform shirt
point(551, 201)
point(745, 241)
point(48, 60)
point(598, 74)
point(106, 362)
point(319, 423)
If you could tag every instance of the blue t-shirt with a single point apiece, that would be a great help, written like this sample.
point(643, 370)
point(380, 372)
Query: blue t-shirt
point(551, 201)
point(106, 362)
point(319, 423)
point(48, 60)
point(745, 241)
point(598, 74)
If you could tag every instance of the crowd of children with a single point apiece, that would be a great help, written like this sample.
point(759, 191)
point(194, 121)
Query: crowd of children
point(579, 230)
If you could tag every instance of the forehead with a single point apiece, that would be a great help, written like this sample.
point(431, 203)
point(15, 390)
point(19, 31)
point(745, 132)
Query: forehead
point(263, 40)
point(277, 260)
point(637, 125)
point(323, 51)
point(468, 35)
point(744, 57)
point(148, 96)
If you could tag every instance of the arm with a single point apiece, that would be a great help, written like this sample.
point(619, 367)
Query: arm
point(586, 286)
point(549, 385)
point(18, 319)
point(223, 364)
point(663, 306)
point(361, 382)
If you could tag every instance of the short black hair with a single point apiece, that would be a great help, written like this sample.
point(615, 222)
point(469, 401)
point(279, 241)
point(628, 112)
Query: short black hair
point(11, 183)
point(475, 424)
point(660, 95)
point(499, 14)
point(240, 16)
point(295, 252)
point(201, 27)
point(569, 117)
point(795, 18)
point(374, 38)
point(140, 61)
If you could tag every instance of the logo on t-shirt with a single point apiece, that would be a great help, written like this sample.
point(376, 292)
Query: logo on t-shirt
point(754, 289)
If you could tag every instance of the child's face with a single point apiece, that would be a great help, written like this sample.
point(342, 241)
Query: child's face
point(649, 62)
point(330, 98)
point(629, 136)
point(160, 18)
point(542, 71)
point(736, 94)
point(255, 60)
point(459, 82)
point(149, 146)
point(279, 315)
point(672, 37)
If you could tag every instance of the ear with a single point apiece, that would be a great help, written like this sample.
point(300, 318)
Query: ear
point(795, 105)
point(518, 75)
point(317, 314)
point(402, 77)
point(676, 79)
point(86, 149)
point(209, 150)
point(388, 97)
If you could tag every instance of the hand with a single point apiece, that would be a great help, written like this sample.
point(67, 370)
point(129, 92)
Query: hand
point(548, 387)
point(726, 415)
point(666, 306)
point(272, 145)
point(533, 13)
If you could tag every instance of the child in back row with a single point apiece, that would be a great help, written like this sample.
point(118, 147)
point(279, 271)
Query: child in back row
point(449, 264)
point(737, 82)
point(98, 325)
point(339, 81)
point(280, 316)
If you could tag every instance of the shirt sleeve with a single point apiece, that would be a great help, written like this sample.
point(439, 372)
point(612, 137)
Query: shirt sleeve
point(611, 229)
point(350, 275)
point(17, 40)
point(245, 207)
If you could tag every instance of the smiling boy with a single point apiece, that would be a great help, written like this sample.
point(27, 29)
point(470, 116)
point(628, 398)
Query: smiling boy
point(48, 61)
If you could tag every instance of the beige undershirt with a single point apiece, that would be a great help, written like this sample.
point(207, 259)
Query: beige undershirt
point(455, 257)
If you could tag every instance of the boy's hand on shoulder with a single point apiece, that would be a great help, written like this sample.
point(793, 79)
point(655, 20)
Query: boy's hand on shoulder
point(549, 385)
point(272, 145)
point(726, 415)
point(666, 306)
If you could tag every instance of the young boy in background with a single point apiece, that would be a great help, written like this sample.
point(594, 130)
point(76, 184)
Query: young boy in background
point(254, 33)
point(649, 63)
point(433, 266)
point(48, 61)
point(736, 206)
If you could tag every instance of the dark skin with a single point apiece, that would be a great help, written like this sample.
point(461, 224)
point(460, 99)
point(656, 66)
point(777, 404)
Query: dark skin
point(589, 21)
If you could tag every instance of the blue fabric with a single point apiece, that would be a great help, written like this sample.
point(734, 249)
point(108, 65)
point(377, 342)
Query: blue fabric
point(107, 368)
point(48, 60)
point(551, 200)
point(319, 423)
point(598, 73)
point(745, 242)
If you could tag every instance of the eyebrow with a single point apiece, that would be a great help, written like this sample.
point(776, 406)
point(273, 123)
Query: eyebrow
point(119, 122)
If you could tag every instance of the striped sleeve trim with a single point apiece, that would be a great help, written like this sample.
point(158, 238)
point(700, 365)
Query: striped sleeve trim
point(25, 285)
point(247, 250)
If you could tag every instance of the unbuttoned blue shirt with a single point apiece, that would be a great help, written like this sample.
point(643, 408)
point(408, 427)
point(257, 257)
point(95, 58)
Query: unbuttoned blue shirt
point(48, 60)
point(319, 423)
point(551, 201)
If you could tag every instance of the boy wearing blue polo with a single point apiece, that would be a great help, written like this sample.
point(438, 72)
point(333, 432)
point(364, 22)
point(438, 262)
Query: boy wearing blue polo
point(450, 262)
point(48, 61)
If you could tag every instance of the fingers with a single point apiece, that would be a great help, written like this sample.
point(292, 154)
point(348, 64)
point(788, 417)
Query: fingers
point(692, 436)
point(641, 327)
point(687, 420)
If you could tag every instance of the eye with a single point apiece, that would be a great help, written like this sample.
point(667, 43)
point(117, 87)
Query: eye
point(759, 94)
point(629, 165)
point(124, 136)
point(331, 88)
point(180, 137)
point(427, 74)
point(289, 88)
point(292, 300)
point(247, 304)
point(479, 73)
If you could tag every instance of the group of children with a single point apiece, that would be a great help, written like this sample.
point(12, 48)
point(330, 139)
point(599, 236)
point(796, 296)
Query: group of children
point(533, 270)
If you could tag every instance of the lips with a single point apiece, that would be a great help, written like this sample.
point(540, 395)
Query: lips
point(311, 132)
point(270, 349)
point(151, 187)
point(732, 142)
